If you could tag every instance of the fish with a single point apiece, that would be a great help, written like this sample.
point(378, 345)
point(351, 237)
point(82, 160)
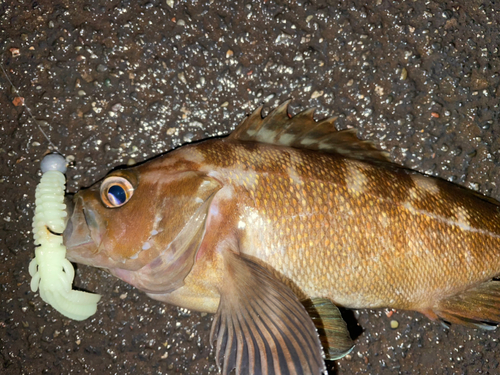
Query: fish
point(276, 225)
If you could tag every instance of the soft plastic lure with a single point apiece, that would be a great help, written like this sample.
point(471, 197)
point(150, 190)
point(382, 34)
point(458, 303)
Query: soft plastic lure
point(51, 272)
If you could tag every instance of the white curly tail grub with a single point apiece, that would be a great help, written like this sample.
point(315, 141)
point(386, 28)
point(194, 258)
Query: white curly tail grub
point(51, 272)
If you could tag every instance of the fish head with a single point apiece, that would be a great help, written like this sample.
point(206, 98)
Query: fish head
point(143, 224)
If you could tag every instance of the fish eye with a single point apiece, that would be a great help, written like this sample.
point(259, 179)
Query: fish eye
point(116, 191)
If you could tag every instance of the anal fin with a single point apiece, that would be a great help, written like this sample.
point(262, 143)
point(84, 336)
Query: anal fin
point(478, 307)
point(260, 326)
point(332, 329)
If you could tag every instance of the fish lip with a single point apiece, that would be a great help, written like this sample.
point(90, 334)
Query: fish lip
point(70, 207)
point(70, 210)
point(77, 236)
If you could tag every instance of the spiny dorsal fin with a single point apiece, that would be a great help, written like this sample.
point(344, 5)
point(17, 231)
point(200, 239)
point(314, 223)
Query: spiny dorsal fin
point(302, 131)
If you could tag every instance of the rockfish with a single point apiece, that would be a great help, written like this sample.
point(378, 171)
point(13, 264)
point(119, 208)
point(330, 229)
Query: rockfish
point(275, 225)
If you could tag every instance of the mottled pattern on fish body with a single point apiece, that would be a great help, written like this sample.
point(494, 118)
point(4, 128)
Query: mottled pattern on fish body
point(363, 234)
point(287, 209)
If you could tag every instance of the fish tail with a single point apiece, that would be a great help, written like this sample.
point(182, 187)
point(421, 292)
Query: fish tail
point(478, 307)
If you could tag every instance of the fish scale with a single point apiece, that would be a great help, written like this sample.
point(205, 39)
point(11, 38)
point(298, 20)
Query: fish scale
point(274, 225)
point(422, 244)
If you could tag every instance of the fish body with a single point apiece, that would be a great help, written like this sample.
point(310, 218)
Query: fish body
point(288, 209)
point(362, 234)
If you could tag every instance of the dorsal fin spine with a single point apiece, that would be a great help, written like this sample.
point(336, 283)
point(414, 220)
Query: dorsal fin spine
point(302, 131)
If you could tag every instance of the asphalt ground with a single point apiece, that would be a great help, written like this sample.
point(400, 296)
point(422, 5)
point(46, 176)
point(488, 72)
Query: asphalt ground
point(117, 82)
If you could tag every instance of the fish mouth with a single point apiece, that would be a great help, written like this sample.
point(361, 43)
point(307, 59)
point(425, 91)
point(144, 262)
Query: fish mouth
point(77, 237)
point(70, 207)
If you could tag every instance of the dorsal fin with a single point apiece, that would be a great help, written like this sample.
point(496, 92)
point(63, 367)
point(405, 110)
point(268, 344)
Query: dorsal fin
point(302, 131)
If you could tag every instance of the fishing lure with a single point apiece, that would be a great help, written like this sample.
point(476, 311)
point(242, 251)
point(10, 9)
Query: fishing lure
point(51, 272)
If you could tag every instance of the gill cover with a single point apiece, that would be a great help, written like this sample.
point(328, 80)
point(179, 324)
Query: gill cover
point(186, 211)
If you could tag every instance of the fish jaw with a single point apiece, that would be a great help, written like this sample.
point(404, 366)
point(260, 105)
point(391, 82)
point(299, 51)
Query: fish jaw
point(76, 236)
point(83, 234)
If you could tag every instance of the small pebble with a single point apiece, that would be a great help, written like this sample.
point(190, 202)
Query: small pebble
point(404, 74)
point(317, 94)
point(269, 98)
point(197, 124)
point(15, 52)
point(188, 137)
point(117, 107)
point(181, 77)
point(18, 101)
point(102, 68)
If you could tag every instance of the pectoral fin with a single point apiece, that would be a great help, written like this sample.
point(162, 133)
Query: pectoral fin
point(260, 325)
point(332, 329)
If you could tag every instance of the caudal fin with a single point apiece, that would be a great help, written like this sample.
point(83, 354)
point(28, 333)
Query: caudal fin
point(478, 307)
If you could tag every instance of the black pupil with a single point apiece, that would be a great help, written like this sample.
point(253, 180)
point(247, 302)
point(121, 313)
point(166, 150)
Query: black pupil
point(117, 195)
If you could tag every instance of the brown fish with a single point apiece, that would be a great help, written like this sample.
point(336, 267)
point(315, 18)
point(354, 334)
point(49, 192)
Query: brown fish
point(286, 209)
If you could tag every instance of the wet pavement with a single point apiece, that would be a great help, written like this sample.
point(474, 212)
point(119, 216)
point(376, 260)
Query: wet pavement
point(117, 82)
